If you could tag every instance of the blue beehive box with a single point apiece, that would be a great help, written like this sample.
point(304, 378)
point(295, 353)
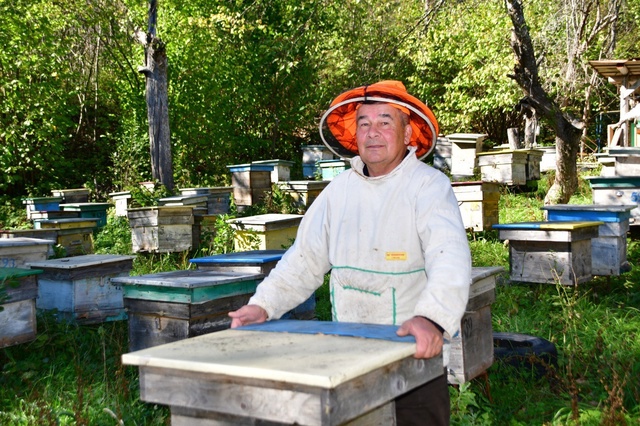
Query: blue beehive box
point(35, 204)
point(259, 262)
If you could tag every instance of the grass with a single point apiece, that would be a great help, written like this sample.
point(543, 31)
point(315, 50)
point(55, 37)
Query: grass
point(71, 375)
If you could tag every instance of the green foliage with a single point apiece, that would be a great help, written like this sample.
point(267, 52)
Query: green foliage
point(142, 196)
point(115, 237)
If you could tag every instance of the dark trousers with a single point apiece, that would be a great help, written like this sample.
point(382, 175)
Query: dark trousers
point(426, 405)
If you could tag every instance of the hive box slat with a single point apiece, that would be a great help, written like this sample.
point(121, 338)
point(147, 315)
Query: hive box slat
point(161, 229)
point(170, 306)
point(332, 168)
point(18, 314)
point(265, 232)
point(609, 248)
point(471, 352)
point(550, 252)
point(16, 252)
point(478, 202)
point(464, 150)
point(80, 288)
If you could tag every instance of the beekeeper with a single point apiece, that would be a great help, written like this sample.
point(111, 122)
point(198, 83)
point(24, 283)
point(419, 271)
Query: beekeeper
point(389, 229)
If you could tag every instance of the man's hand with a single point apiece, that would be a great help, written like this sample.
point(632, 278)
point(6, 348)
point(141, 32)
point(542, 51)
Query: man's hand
point(429, 339)
point(248, 314)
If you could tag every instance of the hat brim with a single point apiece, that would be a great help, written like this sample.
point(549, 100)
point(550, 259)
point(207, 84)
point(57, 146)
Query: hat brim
point(338, 124)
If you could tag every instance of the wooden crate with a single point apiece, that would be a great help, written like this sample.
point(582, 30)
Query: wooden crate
point(18, 312)
point(80, 288)
point(16, 252)
point(36, 204)
point(251, 183)
point(74, 235)
point(89, 211)
point(170, 306)
point(161, 229)
point(550, 252)
point(478, 202)
point(332, 168)
point(464, 150)
point(303, 192)
point(77, 195)
point(281, 169)
point(257, 262)
point(609, 249)
point(471, 352)
point(121, 202)
point(265, 232)
point(507, 167)
point(305, 378)
point(218, 198)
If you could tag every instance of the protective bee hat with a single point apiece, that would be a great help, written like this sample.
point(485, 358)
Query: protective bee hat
point(341, 118)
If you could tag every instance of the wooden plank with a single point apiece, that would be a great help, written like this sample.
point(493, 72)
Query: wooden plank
point(19, 287)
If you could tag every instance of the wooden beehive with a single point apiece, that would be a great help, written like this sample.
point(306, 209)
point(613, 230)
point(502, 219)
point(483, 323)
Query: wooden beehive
point(121, 202)
point(35, 204)
point(281, 169)
point(16, 252)
point(609, 248)
point(506, 167)
point(617, 190)
point(161, 229)
point(471, 352)
point(170, 306)
point(218, 197)
point(550, 252)
point(627, 160)
point(332, 168)
point(90, 211)
point(75, 235)
point(18, 313)
point(465, 148)
point(251, 183)
point(303, 192)
point(478, 202)
point(80, 288)
point(271, 231)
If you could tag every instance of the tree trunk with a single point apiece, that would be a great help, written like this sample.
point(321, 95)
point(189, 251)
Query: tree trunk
point(155, 71)
point(567, 129)
point(158, 114)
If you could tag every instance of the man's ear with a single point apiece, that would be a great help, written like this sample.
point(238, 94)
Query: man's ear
point(407, 134)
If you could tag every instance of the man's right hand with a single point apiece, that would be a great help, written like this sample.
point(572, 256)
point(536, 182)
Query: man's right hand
point(248, 314)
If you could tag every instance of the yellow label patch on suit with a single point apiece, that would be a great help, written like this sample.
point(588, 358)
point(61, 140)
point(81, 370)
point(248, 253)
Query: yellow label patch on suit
point(396, 255)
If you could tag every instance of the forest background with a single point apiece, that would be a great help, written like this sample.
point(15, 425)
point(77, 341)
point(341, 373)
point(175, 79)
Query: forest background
point(248, 80)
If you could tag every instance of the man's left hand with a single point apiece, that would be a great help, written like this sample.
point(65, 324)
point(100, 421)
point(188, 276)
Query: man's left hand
point(429, 339)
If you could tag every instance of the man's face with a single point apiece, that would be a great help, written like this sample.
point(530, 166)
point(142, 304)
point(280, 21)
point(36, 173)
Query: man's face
point(382, 137)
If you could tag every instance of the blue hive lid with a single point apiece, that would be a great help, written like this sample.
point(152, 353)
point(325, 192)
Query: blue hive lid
point(243, 257)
